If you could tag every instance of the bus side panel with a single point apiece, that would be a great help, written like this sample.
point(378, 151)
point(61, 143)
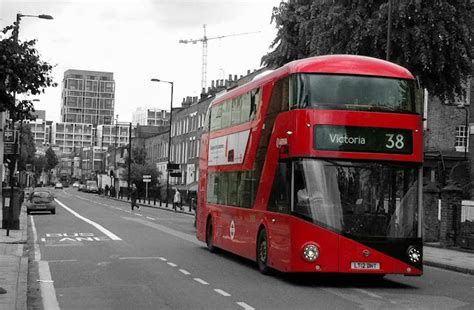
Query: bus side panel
point(279, 240)
point(328, 242)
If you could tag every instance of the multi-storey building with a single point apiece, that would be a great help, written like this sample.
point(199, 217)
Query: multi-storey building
point(68, 136)
point(151, 117)
point(112, 135)
point(88, 97)
point(40, 131)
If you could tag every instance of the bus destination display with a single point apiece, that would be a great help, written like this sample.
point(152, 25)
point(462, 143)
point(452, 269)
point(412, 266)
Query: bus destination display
point(363, 139)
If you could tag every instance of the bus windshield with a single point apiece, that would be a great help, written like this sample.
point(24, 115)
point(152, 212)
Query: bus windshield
point(357, 199)
point(353, 92)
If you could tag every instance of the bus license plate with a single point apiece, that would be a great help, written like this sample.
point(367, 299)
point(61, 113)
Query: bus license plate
point(365, 266)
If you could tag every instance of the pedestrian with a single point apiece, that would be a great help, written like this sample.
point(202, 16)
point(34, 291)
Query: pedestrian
point(176, 199)
point(106, 190)
point(134, 195)
point(112, 191)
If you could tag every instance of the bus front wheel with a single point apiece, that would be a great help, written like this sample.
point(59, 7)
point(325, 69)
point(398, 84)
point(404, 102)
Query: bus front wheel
point(209, 235)
point(262, 252)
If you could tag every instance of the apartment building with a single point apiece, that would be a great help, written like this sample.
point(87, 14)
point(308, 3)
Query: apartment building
point(88, 97)
point(68, 136)
point(112, 135)
point(151, 117)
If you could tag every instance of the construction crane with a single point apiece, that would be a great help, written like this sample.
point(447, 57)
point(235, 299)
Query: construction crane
point(204, 40)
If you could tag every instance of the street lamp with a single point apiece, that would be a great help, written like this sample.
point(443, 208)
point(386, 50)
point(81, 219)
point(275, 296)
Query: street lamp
point(169, 138)
point(15, 148)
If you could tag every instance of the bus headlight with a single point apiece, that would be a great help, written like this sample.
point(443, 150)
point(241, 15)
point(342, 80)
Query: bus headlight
point(310, 252)
point(414, 254)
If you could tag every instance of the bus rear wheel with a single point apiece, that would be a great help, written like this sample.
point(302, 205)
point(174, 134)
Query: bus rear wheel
point(262, 252)
point(209, 235)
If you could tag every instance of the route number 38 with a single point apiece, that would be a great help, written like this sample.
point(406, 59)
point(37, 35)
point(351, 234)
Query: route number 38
point(394, 141)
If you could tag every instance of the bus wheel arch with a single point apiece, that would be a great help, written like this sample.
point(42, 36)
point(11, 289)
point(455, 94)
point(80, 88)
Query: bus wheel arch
point(262, 250)
point(209, 235)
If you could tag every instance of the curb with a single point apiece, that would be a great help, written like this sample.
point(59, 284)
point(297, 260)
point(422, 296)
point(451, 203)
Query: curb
point(449, 267)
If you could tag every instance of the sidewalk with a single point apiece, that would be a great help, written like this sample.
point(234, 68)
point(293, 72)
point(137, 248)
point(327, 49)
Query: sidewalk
point(449, 259)
point(13, 266)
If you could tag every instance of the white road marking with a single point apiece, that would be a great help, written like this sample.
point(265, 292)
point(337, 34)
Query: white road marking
point(163, 259)
point(99, 227)
point(62, 260)
point(150, 218)
point(184, 272)
point(138, 214)
point(368, 293)
point(201, 281)
point(48, 293)
point(245, 306)
point(35, 239)
point(141, 257)
point(223, 293)
point(172, 264)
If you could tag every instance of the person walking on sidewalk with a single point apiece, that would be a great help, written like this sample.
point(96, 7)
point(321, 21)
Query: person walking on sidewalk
point(134, 196)
point(177, 200)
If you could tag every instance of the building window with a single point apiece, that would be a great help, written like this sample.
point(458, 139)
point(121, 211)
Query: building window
point(461, 138)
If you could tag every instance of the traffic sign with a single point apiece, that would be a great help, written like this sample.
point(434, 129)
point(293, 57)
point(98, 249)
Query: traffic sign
point(146, 180)
point(147, 176)
point(9, 136)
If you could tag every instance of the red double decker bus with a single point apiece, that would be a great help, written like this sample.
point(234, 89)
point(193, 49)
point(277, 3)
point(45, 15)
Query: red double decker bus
point(316, 167)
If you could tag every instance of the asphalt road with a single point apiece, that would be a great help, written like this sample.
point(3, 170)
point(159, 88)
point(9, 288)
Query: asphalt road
point(97, 254)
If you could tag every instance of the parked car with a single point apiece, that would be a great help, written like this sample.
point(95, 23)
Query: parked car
point(91, 187)
point(75, 184)
point(40, 200)
point(81, 188)
point(58, 185)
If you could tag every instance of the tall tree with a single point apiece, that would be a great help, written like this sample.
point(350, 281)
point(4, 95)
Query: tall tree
point(139, 170)
point(433, 39)
point(51, 161)
point(28, 148)
point(39, 163)
point(21, 72)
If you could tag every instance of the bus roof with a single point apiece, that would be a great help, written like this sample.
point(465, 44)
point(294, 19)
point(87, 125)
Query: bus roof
point(332, 64)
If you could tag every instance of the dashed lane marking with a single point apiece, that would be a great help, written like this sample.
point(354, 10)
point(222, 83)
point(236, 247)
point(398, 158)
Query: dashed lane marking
point(245, 306)
point(223, 293)
point(172, 264)
point(201, 281)
point(185, 272)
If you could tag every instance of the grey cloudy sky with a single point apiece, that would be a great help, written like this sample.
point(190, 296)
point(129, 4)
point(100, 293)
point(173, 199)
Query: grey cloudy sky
point(138, 40)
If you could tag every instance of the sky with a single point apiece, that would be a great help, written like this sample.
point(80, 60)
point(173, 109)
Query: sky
point(138, 40)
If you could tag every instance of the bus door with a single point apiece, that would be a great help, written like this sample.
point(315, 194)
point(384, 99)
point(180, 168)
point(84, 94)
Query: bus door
point(278, 218)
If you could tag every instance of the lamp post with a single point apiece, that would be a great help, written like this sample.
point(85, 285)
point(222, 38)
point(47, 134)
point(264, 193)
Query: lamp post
point(12, 114)
point(169, 139)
